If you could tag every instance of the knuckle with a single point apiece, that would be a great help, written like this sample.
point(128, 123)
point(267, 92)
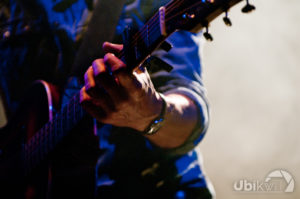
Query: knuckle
point(107, 57)
point(83, 97)
point(96, 63)
point(86, 75)
point(138, 93)
point(98, 67)
point(88, 82)
point(89, 88)
point(113, 62)
point(105, 44)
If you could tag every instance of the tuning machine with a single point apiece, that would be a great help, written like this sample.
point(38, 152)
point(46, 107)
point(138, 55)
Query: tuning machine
point(207, 35)
point(248, 7)
point(226, 19)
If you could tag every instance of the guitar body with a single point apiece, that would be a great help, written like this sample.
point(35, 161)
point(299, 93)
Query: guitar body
point(35, 110)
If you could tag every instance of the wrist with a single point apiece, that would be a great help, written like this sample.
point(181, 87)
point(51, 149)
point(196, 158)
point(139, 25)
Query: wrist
point(157, 121)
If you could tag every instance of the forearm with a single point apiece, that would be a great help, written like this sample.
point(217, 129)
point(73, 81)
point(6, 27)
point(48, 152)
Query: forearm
point(180, 121)
point(129, 99)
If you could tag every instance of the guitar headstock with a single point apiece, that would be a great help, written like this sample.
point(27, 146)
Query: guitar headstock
point(193, 15)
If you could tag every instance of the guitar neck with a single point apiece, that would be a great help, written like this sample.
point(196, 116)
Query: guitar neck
point(52, 133)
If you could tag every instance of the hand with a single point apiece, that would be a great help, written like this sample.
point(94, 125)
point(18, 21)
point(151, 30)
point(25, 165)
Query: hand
point(115, 95)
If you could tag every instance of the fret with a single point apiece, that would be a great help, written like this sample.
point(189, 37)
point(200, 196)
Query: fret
point(70, 113)
point(58, 127)
point(30, 149)
point(40, 149)
point(147, 39)
point(46, 142)
point(50, 136)
point(61, 125)
point(69, 116)
point(63, 119)
point(26, 156)
point(53, 131)
point(74, 109)
point(82, 113)
point(32, 158)
point(162, 21)
point(67, 121)
point(35, 158)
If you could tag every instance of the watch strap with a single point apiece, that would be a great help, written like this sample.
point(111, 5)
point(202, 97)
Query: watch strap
point(157, 123)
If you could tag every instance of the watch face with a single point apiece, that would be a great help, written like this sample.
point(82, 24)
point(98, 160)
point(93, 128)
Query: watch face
point(155, 126)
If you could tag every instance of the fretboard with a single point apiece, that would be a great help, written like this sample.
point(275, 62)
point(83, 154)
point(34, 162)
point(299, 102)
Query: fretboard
point(52, 133)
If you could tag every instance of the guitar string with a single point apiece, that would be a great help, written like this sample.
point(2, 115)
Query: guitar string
point(141, 34)
point(168, 10)
point(152, 20)
point(150, 23)
point(34, 145)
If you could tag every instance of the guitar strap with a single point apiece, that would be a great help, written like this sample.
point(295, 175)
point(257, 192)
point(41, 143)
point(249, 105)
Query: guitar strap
point(101, 28)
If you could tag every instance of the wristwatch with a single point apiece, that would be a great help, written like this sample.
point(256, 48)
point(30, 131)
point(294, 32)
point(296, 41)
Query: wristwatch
point(158, 122)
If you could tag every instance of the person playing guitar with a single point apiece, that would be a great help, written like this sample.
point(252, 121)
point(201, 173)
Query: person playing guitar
point(149, 113)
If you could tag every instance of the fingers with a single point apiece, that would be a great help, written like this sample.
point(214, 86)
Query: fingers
point(87, 103)
point(112, 48)
point(108, 84)
point(105, 79)
point(126, 79)
point(90, 84)
point(98, 91)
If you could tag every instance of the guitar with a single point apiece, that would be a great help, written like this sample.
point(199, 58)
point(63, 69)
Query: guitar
point(26, 153)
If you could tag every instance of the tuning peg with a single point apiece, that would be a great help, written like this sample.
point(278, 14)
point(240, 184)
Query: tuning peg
point(207, 35)
point(226, 20)
point(248, 7)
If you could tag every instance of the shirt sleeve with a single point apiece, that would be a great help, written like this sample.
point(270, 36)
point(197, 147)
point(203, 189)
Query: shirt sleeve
point(185, 78)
